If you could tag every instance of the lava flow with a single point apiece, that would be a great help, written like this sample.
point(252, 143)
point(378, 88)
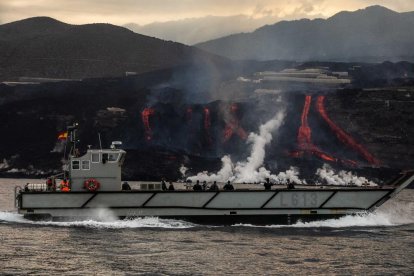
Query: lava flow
point(342, 135)
point(207, 124)
point(304, 137)
point(233, 125)
point(146, 113)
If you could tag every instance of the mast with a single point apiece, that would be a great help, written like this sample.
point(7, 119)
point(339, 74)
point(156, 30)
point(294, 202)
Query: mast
point(71, 130)
point(72, 138)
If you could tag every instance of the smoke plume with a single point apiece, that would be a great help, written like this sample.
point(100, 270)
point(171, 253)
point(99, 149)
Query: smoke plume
point(224, 174)
point(252, 170)
point(328, 175)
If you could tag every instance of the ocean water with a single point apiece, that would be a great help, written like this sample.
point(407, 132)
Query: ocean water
point(374, 244)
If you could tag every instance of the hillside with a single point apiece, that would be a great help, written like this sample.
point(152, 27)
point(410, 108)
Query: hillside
point(44, 47)
point(166, 120)
point(195, 30)
point(371, 34)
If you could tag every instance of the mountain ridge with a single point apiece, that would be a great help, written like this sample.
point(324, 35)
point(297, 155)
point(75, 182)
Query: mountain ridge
point(195, 30)
point(375, 31)
point(45, 47)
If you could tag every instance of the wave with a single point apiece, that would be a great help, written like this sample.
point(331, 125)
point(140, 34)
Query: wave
point(395, 214)
point(147, 222)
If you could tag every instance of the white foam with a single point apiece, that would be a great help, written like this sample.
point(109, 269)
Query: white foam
point(11, 217)
point(395, 215)
point(147, 222)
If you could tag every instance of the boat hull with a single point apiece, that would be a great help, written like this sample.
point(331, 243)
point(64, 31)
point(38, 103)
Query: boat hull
point(214, 220)
point(217, 208)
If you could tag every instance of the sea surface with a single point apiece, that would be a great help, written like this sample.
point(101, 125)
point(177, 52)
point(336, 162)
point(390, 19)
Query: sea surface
point(381, 243)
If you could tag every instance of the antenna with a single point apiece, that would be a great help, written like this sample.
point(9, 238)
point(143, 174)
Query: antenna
point(100, 142)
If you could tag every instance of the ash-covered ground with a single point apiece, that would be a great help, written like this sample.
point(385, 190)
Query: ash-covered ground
point(192, 117)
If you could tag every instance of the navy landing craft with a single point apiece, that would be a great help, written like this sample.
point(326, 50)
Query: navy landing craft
point(95, 185)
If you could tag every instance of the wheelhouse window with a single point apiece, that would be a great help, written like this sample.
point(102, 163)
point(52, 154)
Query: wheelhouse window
point(95, 157)
point(86, 165)
point(110, 157)
point(113, 157)
point(75, 165)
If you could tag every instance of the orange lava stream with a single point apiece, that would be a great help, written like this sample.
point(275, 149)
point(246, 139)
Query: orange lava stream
point(146, 113)
point(342, 135)
point(233, 126)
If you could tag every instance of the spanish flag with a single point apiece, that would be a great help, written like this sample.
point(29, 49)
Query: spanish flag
point(63, 135)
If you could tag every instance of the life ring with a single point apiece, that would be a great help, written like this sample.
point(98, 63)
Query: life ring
point(91, 184)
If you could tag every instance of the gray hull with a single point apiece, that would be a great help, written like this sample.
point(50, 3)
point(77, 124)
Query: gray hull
point(262, 207)
point(221, 207)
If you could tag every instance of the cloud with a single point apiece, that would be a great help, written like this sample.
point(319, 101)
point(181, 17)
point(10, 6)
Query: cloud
point(146, 11)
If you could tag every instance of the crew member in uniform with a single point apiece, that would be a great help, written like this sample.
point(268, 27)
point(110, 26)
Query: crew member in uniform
point(49, 184)
point(197, 186)
point(171, 187)
point(125, 186)
point(228, 186)
point(163, 185)
point(214, 187)
point(64, 185)
point(268, 185)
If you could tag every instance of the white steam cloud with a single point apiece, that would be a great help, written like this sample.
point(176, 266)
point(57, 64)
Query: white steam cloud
point(224, 174)
point(183, 170)
point(252, 170)
point(4, 164)
point(328, 175)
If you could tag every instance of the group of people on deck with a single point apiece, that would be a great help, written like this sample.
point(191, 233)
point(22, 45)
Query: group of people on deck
point(213, 187)
point(164, 186)
point(51, 184)
point(65, 187)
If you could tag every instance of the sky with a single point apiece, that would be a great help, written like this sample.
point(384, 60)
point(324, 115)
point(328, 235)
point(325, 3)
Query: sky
point(142, 12)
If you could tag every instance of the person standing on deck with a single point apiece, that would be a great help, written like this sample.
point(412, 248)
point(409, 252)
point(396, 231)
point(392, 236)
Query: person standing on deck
point(163, 185)
point(171, 187)
point(267, 184)
point(228, 186)
point(49, 184)
point(197, 186)
point(214, 187)
point(64, 185)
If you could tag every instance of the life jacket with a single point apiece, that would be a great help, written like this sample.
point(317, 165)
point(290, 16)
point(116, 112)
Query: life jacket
point(64, 186)
point(65, 189)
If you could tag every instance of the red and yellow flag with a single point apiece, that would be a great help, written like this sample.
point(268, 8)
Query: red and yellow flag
point(63, 135)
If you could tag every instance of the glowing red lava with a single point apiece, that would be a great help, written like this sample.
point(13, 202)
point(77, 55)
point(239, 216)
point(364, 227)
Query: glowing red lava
point(146, 113)
point(207, 124)
point(233, 125)
point(207, 120)
point(305, 137)
point(342, 135)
